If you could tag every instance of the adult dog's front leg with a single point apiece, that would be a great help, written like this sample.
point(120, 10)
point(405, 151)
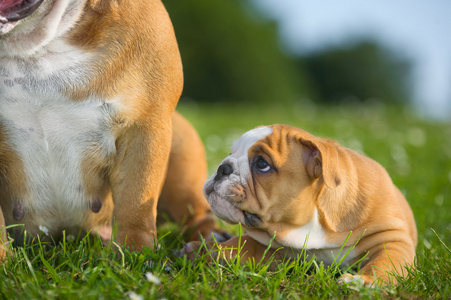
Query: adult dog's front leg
point(136, 181)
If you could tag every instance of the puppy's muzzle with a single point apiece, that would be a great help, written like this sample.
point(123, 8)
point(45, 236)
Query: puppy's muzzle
point(223, 170)
point(250, 219)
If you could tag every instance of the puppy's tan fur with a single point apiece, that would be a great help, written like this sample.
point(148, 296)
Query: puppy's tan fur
point(311, 177)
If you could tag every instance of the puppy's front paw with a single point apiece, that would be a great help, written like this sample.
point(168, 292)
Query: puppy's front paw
point(190, 250)
point(355, 282)
point(208, 252)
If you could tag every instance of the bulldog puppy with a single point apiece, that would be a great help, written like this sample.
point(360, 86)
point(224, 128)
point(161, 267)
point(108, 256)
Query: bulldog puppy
point(88, 90)
point(312, 193)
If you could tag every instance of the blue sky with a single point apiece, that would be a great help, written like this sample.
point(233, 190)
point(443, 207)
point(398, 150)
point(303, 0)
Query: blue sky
point(418, 29)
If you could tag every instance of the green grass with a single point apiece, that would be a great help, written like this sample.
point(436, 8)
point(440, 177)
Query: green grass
point(416, 152)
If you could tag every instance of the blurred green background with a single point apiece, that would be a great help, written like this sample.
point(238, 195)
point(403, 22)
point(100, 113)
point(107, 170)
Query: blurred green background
point(232, 53)
point(357, 91)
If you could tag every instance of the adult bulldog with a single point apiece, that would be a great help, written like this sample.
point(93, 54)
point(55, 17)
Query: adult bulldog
point(88, 90)
point(312, 193)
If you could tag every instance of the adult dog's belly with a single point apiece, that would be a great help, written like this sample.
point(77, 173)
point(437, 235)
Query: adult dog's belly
point(55, 152)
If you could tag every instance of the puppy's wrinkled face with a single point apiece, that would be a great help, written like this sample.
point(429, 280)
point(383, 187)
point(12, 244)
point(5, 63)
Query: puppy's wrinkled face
point(227, 190)
point(264, 184)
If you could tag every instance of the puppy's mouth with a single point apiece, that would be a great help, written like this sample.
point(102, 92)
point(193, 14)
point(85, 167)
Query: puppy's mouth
point(251, 220)
point(15, 10)
point(229, 212)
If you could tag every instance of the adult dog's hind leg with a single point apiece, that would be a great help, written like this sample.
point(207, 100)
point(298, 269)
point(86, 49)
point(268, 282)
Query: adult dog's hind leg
point(182, 198)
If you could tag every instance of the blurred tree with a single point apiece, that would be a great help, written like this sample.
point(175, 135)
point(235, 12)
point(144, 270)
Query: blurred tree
point(359, 70)
point(230, 52)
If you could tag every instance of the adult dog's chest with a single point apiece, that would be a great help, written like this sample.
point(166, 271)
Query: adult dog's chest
point(62, 145)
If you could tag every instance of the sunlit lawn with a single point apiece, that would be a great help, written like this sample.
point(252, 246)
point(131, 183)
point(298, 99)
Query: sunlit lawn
point(416, 153)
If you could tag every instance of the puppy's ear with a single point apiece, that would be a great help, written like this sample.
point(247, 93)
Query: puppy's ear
point(321, 159)
point(339, 204)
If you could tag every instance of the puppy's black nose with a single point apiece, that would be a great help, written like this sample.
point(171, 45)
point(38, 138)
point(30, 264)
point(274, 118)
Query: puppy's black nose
point(223, 170)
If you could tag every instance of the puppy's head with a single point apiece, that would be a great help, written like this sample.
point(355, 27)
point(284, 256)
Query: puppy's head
point(272, 180)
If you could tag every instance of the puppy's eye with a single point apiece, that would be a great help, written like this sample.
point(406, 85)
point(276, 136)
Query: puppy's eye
point(262, 165)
